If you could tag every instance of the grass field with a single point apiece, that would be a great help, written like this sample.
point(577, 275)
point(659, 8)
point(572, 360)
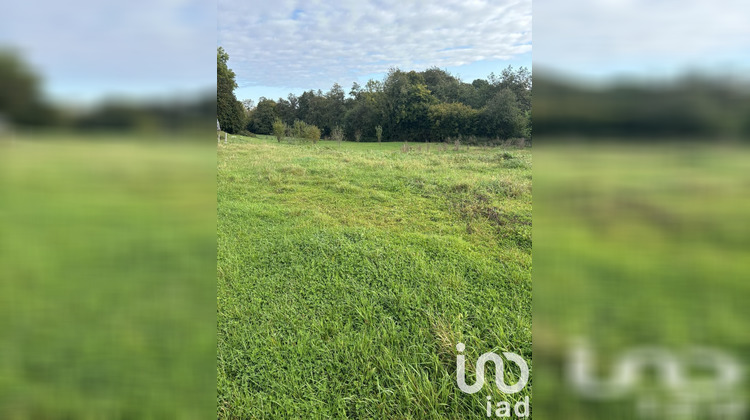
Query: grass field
point(107, 254)
point(347, 274)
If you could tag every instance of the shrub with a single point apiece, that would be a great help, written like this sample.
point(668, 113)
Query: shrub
point(337, 134)
point(279, 129)
point(312, 133)
point(299, 129)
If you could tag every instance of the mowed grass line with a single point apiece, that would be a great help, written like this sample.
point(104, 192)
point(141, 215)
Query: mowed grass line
point(347, 274)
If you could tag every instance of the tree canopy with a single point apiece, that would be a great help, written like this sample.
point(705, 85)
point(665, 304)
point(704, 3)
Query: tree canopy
point(20, 92)
point(230, 111)
point(431, 105)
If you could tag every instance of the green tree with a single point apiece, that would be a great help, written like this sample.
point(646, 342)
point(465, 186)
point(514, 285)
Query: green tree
point(230, 112)
point(20, 94)
point(298, 129)
point(285, 110)
point(407, 100)
point(263, 116)
point(359, 115)
point(527, 125)
point(312, 133)
point(364, 111)
point(279, 129)
point(443, 85)
point(452, 119)
point(519, 82)
point(311, 108)
point(502, 117)
point(335, 107)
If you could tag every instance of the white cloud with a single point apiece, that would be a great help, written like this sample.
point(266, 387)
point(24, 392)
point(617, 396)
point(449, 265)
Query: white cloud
point(338, 40)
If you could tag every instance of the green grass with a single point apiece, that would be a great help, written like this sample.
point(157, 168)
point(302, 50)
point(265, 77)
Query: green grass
point(106, 246)
point(347, 274)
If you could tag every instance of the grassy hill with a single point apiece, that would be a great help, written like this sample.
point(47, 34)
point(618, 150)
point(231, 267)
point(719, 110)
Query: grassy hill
point(347, 274)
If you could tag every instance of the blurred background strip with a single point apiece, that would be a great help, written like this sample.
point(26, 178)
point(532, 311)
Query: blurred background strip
point(641, 229)
point(107, 210)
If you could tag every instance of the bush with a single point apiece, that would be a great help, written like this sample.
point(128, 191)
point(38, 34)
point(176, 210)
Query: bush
point(299, 129)
point(279, 129)
point(337, 134)
point(311, 133)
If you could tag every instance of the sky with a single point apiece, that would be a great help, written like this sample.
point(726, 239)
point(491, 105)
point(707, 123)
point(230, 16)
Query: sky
point(289, 46)
point(89, 49)
point(643, 39)
point(86, 50)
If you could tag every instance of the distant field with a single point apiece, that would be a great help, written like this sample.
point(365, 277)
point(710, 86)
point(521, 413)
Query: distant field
point(346, 276)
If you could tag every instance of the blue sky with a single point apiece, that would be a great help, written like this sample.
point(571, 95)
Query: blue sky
point(88, 49)
point(289, 46)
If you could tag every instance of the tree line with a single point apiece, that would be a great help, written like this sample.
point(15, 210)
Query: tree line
point(430, 105)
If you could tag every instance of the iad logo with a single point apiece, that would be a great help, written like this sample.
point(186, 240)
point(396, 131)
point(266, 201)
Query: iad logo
point(503, 407)
point(697, 382)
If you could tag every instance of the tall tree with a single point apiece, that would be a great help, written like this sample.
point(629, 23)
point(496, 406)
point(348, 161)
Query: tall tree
point(335, 107)
point(229, 110)
point(285, 110)
point(20, 93)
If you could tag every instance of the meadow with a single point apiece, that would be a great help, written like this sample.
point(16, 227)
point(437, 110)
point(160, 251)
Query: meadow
point(348, 273)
